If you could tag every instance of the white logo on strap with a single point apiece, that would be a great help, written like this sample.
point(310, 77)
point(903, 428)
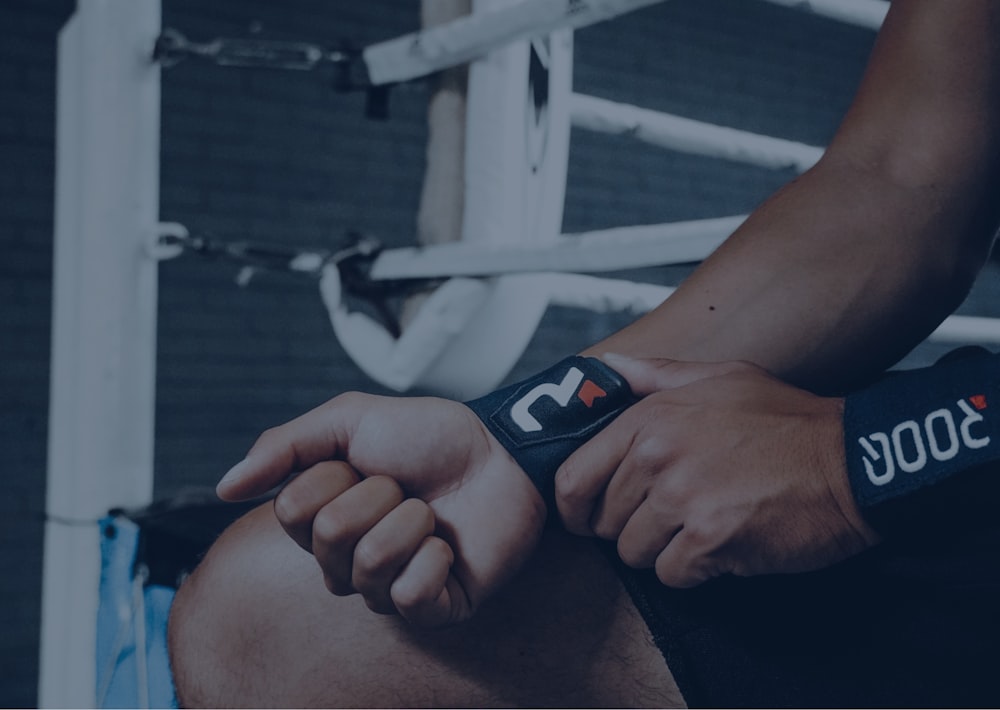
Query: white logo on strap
point(928, 439)
point(561, 393)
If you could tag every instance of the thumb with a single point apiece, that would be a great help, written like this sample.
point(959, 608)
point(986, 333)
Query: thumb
point(651, 374)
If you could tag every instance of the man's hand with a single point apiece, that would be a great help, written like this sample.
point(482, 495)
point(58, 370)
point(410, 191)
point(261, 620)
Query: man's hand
point(442, 516)
point(719, 469)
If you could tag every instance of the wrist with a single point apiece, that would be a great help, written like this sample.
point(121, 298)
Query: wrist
point(541, 421)
point(523, 490)
point(921, 445)
point(834, 467)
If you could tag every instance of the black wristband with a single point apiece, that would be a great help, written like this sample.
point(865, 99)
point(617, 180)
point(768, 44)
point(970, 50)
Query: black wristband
point(910, 435)
point(544, 419)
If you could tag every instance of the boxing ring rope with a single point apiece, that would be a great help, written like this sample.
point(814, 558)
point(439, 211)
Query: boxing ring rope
point(863, 13)
point(105, 285)
point(689, 136)
point(420, 53)
point(599, 251)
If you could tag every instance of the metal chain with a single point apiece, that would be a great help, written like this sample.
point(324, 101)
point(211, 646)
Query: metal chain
point(173, 47)
point(269, 256)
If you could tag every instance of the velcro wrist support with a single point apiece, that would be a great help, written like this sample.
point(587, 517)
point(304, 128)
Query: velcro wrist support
point(909, 436)
point(544, 419)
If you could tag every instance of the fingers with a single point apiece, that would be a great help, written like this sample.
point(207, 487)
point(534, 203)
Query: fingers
point(298, 503)
point(682, 565)
point(582, 478)
point(648, 531)
point(369, 540)
point(425, 593)
point(341, 524)
point(648, 375)
point(387, 548)
point(625, 493)
point(602, 483)
point(593, 494)
point(318, 435)
point(397, 565)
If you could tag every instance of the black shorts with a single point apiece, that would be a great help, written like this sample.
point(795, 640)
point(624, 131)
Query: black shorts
point(910, 625)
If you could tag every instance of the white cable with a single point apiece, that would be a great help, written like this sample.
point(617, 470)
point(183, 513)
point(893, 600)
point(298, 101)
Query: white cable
point(690, 136)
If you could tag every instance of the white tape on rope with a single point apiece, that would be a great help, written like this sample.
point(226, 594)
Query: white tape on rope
point(601, 251)
point(690, 136)
point(421, 53)
point(863, 13)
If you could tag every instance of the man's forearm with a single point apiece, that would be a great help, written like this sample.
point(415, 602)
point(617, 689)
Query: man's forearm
point(831, 279)
point(845, 269)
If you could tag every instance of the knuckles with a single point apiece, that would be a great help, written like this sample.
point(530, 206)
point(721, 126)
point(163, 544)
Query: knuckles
point(369, 559)
point(650, 451)
point(289, 508)
point(330, 530)
point(410, 597)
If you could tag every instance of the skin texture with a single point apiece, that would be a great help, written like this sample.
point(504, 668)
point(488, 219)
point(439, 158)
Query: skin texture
point(719, 469)
point(733, 467)
point(443, 518)
point(259, 629)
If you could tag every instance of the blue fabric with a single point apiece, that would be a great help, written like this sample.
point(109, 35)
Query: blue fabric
point(922, 443)
point(124, 601)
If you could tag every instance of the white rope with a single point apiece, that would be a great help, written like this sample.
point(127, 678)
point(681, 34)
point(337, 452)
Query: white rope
point(863, 13)
point(604, 250)
point(421, 53)
point(690, 136)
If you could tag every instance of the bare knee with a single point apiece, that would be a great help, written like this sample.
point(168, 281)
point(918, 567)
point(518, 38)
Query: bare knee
point(226, 613)
point(255, 626)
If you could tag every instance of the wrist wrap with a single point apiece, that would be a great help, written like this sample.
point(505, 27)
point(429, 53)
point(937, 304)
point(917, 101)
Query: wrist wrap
point(544, 419)
point(909, 435)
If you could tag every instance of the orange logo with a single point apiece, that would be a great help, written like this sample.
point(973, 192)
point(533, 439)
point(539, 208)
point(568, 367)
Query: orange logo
point(978, 401)
point(589, 392)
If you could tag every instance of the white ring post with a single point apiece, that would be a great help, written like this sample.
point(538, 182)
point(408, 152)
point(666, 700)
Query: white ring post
point(101, 408)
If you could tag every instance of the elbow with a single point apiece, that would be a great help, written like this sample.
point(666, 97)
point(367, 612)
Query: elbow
point(953, 267)
point(975, 228)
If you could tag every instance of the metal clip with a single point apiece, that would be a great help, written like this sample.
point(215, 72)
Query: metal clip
point(167, 241)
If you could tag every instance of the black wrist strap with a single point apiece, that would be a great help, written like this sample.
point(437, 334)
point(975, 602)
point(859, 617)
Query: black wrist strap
point(921, 437)
point(544, 419)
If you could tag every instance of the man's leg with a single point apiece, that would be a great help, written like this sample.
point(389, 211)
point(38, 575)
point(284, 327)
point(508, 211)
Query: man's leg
point(255, 626)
